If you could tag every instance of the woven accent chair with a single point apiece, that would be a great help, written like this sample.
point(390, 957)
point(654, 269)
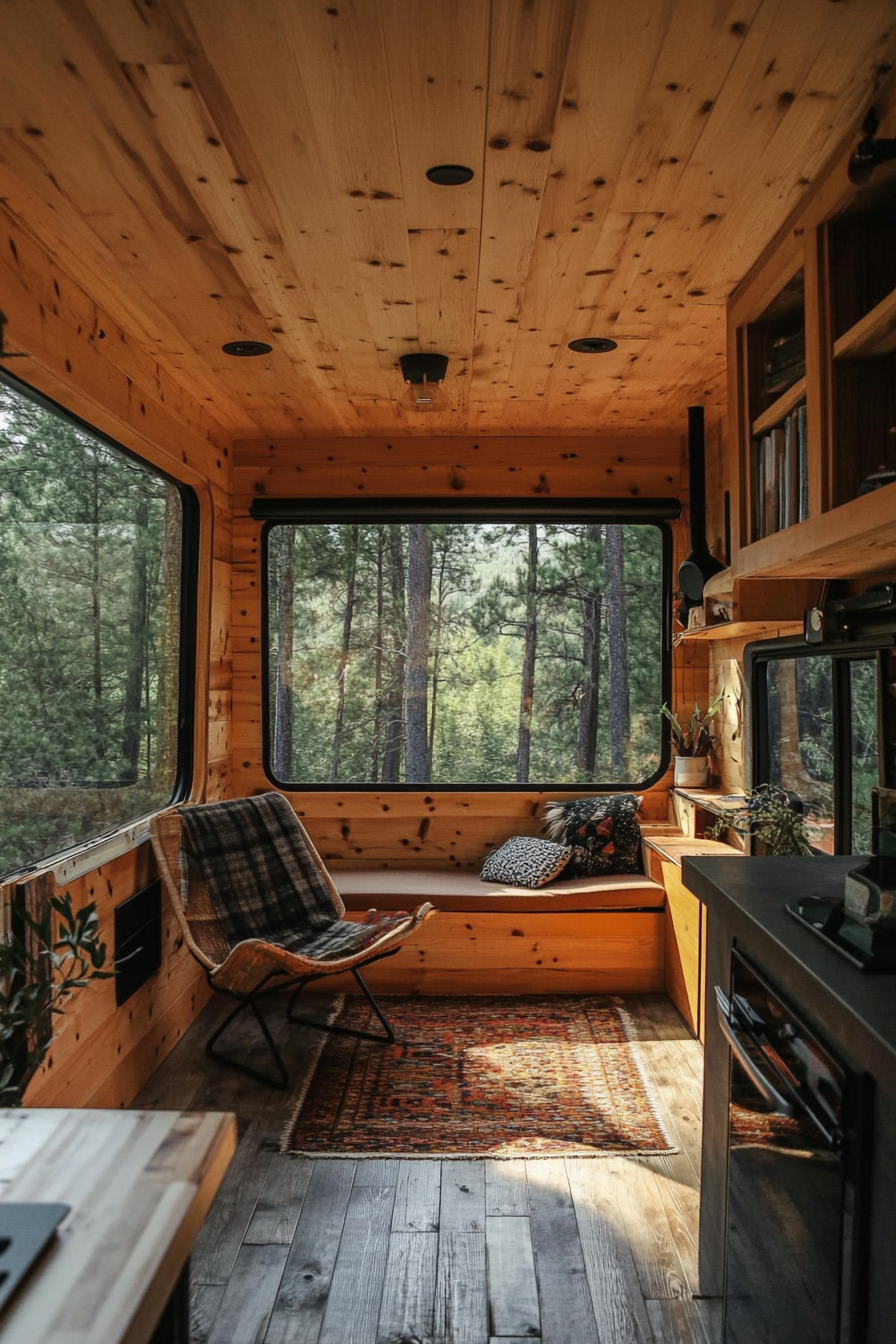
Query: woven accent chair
point(261, 915)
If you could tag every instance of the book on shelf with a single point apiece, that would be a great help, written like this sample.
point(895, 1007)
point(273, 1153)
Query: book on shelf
point(786, 362)
point(779, 476)
point(802, 463)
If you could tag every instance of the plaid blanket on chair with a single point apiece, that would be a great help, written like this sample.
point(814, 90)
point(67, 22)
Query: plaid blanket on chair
point(264, 883)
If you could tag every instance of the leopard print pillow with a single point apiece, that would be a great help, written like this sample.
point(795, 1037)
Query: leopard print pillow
point(525, 861)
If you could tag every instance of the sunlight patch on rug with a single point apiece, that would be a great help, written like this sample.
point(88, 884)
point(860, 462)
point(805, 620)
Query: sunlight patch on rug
point(482, 1077)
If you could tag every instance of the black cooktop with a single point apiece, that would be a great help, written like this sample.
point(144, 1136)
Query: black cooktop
point(867, 948)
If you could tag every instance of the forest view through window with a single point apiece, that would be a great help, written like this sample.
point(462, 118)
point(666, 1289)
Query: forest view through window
point(806, 698)
point(464, 653)
point(90, 619)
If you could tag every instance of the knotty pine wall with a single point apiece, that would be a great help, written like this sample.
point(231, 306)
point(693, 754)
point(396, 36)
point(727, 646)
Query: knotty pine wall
point(421, 829)
point(103, 371)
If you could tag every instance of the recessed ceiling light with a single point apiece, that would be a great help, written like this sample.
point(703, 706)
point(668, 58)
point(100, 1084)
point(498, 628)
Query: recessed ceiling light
point(592, 345)
point(449, 174)
point(245, 349)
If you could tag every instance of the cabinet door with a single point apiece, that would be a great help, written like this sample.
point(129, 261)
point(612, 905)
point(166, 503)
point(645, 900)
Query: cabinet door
point(684, 949)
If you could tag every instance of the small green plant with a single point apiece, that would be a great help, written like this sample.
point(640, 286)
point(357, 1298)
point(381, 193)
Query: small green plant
point(37, 974)
point(769, 814)
point(696, 739)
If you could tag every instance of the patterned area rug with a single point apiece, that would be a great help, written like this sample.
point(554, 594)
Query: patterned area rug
point(481, 1077)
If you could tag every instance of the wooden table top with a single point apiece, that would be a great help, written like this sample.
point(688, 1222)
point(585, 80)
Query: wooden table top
point(139, 1184)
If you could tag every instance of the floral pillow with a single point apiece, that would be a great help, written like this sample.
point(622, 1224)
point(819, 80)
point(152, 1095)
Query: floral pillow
point(525, 861)
point(603, 833)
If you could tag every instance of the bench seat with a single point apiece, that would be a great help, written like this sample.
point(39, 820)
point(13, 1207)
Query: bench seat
point(403, 888)
point(585, 935)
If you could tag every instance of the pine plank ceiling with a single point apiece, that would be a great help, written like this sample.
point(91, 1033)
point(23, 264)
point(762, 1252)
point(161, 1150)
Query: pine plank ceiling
point(214, 169)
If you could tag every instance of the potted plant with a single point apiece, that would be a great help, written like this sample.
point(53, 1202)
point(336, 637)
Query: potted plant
point(693, 745)
point(38, 972)
point(774, 817)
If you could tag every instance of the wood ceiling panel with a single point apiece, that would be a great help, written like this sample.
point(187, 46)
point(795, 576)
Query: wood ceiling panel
point(208, 170)
point(242, 219)
point(529, 51)
point(438, 78)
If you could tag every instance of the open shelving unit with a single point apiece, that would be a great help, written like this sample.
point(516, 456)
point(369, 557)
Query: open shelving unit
point(811, 440)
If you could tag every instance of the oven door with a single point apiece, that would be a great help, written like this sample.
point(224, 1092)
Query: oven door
point(787, 1179)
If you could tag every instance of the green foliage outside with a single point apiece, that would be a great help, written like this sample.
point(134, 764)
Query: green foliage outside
point(465, 653)
point(89, 634)
point(801, 715)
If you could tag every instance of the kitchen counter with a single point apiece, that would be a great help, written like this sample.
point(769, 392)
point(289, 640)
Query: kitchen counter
point(852, 1012)
point(855, 1011)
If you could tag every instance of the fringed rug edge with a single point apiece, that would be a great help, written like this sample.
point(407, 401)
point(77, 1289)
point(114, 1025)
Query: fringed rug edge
point(299, 1101)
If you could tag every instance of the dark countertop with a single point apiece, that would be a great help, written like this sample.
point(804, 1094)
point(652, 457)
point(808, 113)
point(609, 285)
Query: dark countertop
point(854, 1011)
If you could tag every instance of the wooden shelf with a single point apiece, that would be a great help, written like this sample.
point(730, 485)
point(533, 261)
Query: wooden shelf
point(874, 335)
point(780, 409)
point(741, 630)
point(720, 585)
point(858, 538)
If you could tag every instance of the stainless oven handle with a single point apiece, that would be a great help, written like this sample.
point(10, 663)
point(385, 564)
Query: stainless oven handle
point(757, 1078)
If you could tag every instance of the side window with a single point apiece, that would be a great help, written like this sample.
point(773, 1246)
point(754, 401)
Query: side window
point(818, 737)
point(91, 560)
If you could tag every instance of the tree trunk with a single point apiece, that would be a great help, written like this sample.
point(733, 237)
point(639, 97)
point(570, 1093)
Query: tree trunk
point(395, 697)
point(436, 659)
point(620, 715)
point(99, 726)
point(137, 644)
point(351, 569)
point(378, 661)
point(168, 648)
point(283, 548)
point(419, 589)
point(589, 702)
point(527, 679)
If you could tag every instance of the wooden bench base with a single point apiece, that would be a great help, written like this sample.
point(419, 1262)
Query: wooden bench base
point(608, 951)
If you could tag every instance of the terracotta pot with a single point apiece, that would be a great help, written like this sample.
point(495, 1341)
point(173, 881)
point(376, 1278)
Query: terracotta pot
point(691, 772)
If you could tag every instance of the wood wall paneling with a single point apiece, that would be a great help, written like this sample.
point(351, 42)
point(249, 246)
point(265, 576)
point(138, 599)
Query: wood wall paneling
point(103, 1054)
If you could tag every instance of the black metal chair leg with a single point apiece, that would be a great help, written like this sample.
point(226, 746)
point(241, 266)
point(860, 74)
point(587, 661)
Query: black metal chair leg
point(283, 1082)
point(387, 1037)
point(387, 1025)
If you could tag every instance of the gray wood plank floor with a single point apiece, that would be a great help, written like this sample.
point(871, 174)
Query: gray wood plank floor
point(383, 1251)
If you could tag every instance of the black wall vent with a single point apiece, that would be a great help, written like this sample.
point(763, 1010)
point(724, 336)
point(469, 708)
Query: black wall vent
point(138, 940)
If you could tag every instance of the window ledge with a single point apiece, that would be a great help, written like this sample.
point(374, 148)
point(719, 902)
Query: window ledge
point(87, 857)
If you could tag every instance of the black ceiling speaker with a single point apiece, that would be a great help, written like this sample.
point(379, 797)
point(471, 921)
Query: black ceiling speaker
point(450, 174)
point(592, 345)
point(701, 564)
point(246, 349)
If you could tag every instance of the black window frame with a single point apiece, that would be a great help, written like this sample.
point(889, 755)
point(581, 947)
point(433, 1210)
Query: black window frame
point(757, 658)
point(655, 512)
point(189, 595)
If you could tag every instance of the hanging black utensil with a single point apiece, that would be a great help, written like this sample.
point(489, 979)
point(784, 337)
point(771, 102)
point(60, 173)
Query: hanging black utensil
point(701, 564)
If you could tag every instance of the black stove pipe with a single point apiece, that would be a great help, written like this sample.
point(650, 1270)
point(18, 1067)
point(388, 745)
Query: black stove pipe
point(701, 564)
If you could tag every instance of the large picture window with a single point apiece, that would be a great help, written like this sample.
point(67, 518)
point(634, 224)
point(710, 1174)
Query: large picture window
point(93, 727)
point(465, 653)
point(817, 736)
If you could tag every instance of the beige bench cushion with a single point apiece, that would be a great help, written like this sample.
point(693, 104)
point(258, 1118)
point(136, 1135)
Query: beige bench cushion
point(402, 888)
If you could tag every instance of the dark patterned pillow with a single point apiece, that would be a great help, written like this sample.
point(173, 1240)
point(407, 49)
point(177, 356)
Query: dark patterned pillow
point(603, 833)
point(525, 861)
